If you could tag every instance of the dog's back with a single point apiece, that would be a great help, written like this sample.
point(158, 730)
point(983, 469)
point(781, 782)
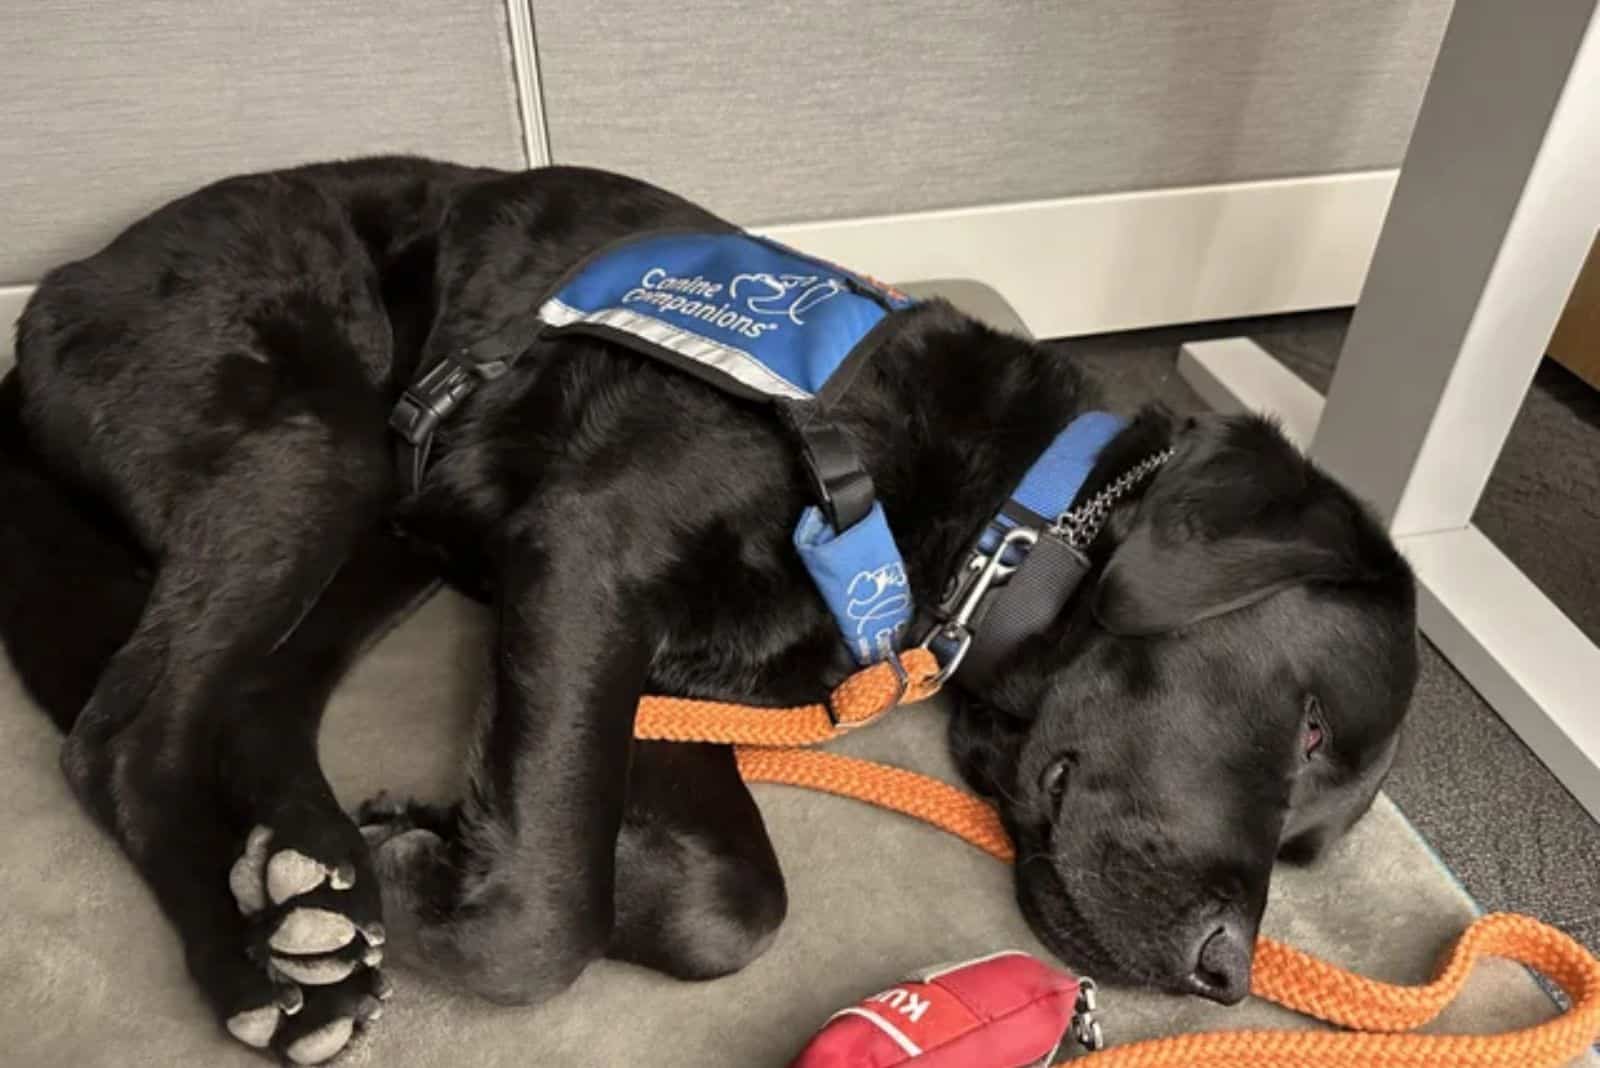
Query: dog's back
point(73, 579)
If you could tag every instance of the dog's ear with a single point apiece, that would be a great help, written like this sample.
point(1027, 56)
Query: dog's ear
point(1153, 587)
point(1237, 516)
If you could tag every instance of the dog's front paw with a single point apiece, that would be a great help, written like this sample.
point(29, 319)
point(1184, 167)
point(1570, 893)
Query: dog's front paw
point(408, 843)
point(454, 915)
point(313, 913)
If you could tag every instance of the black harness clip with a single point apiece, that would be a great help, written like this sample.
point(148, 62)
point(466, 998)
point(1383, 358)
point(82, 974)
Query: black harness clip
point(425, 403)
point(839, 479)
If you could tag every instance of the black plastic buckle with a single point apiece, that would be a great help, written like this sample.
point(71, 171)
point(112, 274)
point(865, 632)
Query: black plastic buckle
point(840, 481)
point(427, 401)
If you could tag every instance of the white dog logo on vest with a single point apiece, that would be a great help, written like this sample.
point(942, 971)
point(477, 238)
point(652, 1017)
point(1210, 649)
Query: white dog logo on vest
point(788, 295)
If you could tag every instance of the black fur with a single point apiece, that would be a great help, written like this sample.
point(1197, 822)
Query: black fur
point(208, 396)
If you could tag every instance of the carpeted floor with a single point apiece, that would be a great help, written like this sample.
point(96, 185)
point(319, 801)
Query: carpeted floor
point(91, 975)
point(1513, 835)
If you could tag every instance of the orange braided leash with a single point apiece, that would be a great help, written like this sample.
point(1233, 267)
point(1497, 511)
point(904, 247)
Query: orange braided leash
point(1282, 974)
point(765, 739)
point(1318, 989)
point(947, 807)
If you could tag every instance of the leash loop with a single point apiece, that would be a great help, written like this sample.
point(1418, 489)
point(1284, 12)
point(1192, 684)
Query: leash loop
point(908, 677)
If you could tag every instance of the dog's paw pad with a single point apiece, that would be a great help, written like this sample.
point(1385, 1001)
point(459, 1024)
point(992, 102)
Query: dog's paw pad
point(314, 971)
point(323, 1043)
point(291, 873)
point(255, 1027)
point(245, 877)
point(306, 979)
point(309, 930)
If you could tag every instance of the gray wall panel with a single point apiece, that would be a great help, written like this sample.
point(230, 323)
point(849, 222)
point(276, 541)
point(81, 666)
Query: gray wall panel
point(782, 111)
point(109, 109)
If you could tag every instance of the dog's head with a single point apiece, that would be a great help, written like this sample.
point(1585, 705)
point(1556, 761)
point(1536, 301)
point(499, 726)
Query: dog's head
point(1223, 692)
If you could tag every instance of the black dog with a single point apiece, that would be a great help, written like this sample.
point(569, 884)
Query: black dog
point(205, 526)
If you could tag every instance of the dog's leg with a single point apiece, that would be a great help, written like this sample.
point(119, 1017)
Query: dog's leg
point(181, 707)
point(71, 593)
point(273, 769)
point(268, 779)
point(271, 776)
point(700, 893)
point(522, 898)
point(699, 890)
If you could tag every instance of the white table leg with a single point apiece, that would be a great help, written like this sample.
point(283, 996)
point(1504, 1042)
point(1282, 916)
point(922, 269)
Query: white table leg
point(1497, 203)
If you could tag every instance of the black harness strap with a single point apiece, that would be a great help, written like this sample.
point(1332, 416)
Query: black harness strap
point(839, 480)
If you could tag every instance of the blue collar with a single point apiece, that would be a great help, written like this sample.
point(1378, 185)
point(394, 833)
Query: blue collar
point(1024, 569)
point(1053, 481)
point(862, 578)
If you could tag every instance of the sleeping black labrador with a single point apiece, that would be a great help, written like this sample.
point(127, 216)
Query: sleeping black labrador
point(204, 525)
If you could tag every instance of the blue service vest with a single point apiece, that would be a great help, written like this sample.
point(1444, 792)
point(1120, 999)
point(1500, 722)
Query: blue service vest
point(768, 323)
point(744, 313)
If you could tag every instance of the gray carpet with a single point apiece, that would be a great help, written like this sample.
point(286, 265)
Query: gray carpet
point(90, 975)
point(1496, 816)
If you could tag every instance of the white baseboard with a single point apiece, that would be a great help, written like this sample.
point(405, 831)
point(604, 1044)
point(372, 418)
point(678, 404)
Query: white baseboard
point(1121, 261)
point(1517, 649)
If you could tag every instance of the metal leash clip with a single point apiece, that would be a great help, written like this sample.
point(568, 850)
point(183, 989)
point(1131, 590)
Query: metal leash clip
point(956, 627)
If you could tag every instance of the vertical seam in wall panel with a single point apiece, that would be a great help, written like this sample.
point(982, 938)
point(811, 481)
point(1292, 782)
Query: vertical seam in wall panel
point(525, 65)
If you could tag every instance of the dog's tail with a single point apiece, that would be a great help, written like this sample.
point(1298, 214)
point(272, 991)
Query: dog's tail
point(72, 584)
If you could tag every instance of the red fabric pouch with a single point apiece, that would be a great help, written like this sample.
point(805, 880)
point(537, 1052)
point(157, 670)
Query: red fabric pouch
point(1007, 1010)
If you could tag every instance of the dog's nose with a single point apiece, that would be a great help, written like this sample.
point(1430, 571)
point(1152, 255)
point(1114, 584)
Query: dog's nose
point(1222, 963)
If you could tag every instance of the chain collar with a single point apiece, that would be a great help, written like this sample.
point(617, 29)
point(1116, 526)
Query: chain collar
point(983, 572)
point(1080, 526)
